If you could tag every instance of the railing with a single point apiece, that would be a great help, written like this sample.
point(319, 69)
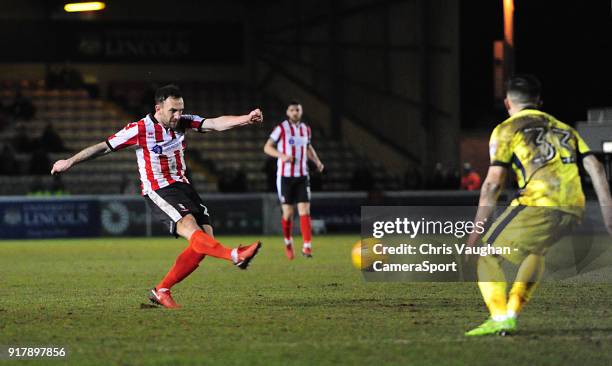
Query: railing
point(23, 217)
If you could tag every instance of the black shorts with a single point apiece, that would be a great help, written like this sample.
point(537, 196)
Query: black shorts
point(171, 203)
point(292, 190)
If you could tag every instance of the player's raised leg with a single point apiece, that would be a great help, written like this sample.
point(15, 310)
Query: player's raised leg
point(200, 245)
point(306, 228)
point(287, 226)
point(203, 243)
point(187, 262)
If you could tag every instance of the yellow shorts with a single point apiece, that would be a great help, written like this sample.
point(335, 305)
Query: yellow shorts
point(529, 230)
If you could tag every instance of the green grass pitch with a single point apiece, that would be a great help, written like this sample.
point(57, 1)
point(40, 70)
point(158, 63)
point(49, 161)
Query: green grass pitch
point(86, 294)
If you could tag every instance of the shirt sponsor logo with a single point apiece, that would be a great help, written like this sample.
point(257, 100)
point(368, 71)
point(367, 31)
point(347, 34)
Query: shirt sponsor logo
point(173, 144)
point(157, 149)
point(291, 141)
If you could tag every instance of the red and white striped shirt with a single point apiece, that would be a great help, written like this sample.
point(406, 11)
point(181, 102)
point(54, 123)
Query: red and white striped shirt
point(293, 140)
point(160, 152)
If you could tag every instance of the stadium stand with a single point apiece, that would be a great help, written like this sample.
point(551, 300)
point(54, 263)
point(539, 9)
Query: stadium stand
point(227, 161)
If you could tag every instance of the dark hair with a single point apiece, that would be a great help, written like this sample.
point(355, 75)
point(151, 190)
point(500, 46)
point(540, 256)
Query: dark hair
point(524, 89)
point(166, 92)
point(293, 102)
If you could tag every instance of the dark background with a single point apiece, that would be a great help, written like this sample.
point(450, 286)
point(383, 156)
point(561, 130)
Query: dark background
point(405, 87)
point(568, 45)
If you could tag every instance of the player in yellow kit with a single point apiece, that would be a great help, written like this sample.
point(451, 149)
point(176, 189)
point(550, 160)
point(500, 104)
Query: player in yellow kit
point(544, 153)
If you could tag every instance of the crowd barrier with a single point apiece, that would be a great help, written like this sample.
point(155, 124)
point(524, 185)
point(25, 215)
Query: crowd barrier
point(23, 217)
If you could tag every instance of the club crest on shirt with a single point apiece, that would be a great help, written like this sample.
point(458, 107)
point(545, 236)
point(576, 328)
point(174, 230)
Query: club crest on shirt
point(157, 149)
point(291, 141)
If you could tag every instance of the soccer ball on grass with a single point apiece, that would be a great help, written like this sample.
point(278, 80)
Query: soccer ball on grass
point(363, 255)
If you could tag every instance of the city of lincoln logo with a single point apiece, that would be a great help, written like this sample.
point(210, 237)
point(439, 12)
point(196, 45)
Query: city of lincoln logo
point(157, 149)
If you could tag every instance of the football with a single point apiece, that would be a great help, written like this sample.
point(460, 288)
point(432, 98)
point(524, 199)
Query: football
point(363, 255)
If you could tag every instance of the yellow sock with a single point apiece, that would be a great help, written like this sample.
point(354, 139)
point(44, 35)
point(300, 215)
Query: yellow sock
point(527, 280)
point(494, 295)
point(492, 284)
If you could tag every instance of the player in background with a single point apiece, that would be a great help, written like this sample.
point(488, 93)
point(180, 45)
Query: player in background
point(290, 143)
point(159, 142)
point(544, 153)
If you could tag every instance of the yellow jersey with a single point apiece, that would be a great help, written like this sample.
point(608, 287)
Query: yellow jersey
point(544, 153)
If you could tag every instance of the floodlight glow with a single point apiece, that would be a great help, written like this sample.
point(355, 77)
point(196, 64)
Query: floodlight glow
point(88, 6)
point(509, 21)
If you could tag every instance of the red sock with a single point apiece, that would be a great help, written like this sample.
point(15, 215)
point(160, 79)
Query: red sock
point(203, 243)
point(306, 229)
point(286, 229)
point(186, 263)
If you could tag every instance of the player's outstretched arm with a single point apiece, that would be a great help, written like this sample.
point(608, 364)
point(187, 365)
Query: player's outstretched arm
point(88, 153)
point(600, 183)
point(312, 155)
point(489, 194)
point(228, 122)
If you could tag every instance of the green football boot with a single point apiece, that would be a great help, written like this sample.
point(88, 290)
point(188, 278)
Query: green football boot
point(492, 327)
point(509, 327)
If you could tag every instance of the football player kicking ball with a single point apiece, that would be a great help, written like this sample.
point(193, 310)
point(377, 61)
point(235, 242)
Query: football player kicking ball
point(290, 144)
point(544, 153)
point(159, 142)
